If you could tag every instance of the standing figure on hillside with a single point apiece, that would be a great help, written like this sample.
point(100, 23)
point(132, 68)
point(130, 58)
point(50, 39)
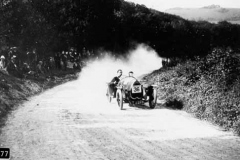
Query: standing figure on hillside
point(57, 60)
point(3, 65)
point(39, 68)
point(12, 67)
point(26, 70)
point(64, 60)
point(76, 65)
point(51, 63)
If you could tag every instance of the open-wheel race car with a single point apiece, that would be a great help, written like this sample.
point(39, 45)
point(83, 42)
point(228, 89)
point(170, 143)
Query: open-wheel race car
point(130, 90)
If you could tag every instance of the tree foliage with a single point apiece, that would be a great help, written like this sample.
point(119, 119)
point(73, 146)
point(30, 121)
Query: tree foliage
point(114, 25)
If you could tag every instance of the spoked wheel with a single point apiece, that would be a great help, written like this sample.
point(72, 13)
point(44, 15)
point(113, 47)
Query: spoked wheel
point(119, 98)
point(109, 96)
point(153, 99)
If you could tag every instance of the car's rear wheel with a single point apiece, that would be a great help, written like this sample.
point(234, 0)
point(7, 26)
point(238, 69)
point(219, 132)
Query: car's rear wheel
point(153, 99)
point(119, 98)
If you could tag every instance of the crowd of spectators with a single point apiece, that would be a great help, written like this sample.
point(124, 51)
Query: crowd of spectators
point(32, 65)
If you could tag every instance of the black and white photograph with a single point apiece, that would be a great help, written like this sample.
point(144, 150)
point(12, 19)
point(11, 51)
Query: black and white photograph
point(120, 79)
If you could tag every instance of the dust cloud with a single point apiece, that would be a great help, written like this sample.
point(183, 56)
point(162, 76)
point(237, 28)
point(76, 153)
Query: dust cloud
point(93, 79)
point(141, 61)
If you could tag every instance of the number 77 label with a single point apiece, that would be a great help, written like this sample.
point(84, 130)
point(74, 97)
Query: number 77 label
point(4, 153)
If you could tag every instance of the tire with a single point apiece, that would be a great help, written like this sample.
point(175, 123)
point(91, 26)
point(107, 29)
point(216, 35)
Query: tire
point(109, 97)
point(119, 98)
point(130, 103)
point(153, 99)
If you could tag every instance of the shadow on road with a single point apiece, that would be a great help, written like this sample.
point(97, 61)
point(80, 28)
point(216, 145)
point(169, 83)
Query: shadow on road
point(161, 104)
point(144, 106)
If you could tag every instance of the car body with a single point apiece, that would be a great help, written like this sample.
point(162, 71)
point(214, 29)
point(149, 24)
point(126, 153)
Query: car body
point(132, 91)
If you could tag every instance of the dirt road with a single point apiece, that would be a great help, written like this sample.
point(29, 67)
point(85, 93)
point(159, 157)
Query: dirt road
point(72, 121)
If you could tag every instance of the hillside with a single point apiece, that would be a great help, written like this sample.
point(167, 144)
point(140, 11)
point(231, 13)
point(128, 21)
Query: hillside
point(206, 87)
point(14, 91)
point(213, 13)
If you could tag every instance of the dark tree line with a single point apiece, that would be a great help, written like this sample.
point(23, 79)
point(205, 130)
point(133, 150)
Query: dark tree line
point(113, 25)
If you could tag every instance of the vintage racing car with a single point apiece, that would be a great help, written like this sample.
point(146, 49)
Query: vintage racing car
point(130, 90)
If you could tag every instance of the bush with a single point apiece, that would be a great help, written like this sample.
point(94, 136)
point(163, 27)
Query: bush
point(222, 66)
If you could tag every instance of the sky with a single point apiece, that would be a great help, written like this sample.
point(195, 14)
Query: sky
point(162, 5)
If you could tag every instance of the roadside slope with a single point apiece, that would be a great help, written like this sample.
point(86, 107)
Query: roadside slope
point(14, 91)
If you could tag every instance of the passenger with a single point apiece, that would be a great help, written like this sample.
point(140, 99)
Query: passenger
point(116, 79)
point(114, 83)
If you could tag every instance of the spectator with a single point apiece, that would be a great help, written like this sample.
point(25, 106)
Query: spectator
point(12, 67)
point(3, 66)
point(35, 55)
point(3, 63)
point(57, 60)
point(76, 55)
point(10, 54)
point(71, 57)
point(51, 63)
point(26, 70)
point(45, 66)
point(40, 68)
point(64, 60)
point(89, 54)
point(76, 65)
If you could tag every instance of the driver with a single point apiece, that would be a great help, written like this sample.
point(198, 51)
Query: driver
point(130, 74)
point(114, 82)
